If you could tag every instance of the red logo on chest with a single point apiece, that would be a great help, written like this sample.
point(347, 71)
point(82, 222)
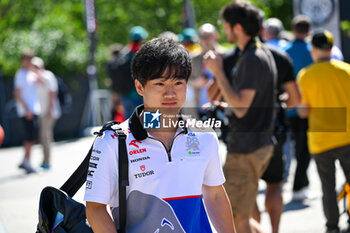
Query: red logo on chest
point(134, 143)
point(143, 168)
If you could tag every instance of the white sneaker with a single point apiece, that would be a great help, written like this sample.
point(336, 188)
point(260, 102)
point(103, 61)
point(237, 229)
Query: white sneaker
point(27, 167)
point(304, 194)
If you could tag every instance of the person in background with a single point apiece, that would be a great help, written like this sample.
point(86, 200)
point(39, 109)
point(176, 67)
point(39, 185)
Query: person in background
point(201, 77)
point(120, 73)
point(189, 39)
point(272, 33)
point(287, 94)
point(326, 102)
point(299, 51)
point(117, 111)
point(251, 93)
point(46, 87)
point(169, 35)
point(336, 53)
point(28, 107)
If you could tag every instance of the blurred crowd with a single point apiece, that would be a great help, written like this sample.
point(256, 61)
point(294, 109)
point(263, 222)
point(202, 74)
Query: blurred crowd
point(256, 88)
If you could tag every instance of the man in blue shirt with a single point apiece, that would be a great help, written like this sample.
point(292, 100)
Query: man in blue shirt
point(299, 51)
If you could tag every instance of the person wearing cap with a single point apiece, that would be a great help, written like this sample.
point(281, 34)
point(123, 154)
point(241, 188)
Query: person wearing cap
point(201, 77)
point(28, 108)
point(120, 74)
point(326, 102)
point(189, 39)
point(46, 88)
point(272, 30)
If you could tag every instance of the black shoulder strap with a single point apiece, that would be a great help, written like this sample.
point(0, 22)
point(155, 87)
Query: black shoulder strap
point(78, 178)
point(123, 167)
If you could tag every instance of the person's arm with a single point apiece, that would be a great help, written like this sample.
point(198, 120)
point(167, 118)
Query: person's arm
point(303, 110)
point(17, 95)
point(293, 92)
point(99, 219)
point(241, 101)
point(219, 208)
point(303, 86)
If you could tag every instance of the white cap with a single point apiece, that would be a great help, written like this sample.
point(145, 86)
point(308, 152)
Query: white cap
point(37, 61)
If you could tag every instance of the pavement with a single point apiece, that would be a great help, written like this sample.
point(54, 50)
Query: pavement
point(19, 193)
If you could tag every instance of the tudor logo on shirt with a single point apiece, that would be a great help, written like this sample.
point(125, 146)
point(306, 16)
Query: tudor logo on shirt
point(144, 173)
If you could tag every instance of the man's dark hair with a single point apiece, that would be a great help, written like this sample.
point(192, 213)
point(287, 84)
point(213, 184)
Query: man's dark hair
point(301, 24)
point(161, 58)
point(245, 14)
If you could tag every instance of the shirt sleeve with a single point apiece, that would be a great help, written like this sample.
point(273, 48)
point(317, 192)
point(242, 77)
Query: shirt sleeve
point(18, 83)
point(304, 86)
point(52, 81)
point(102, 178)
point(287, 71)
point(214, 175)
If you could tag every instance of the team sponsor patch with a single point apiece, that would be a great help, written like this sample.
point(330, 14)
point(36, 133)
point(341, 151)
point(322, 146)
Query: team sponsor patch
point(91, 173)
point(144, 173)
point(89, 184)
point(96, 151)
point(94, 158)
point(114, 136)
point(134, 143)
point(139, 159)
point(192, 145)
point(138, 151)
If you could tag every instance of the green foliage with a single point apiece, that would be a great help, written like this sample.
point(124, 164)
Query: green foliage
point(55, 29)
point(345, 27)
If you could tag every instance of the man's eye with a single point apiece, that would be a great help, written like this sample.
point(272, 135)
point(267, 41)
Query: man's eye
point(159, 84)
point(179, 83)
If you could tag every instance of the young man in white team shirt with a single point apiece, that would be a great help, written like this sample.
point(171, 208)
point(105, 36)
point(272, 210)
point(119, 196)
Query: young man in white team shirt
point(171, 171)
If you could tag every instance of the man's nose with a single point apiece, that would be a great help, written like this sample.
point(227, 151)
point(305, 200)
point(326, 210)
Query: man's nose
point(170, 91)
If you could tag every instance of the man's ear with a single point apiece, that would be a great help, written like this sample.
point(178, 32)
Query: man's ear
point(139, 87)
point(237, 28)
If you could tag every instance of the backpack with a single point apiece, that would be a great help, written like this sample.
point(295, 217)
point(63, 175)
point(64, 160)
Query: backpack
point(119, 71)
point(59, 213)
point(63, 95)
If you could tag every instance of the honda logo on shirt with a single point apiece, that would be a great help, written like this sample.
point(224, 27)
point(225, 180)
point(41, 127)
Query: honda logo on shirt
point(134, 143)
point(143, 168)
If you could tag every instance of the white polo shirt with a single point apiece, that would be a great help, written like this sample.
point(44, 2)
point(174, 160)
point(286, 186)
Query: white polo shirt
point(26, 81)
point(165, 192)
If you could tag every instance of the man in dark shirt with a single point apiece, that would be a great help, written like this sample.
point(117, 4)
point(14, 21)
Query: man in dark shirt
point(251, 98)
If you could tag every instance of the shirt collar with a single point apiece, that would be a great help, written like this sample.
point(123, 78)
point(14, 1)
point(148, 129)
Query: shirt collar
point(136, 127)
point(252, 43)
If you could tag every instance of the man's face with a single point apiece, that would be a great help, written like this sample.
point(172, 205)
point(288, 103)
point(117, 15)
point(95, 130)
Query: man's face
point(26, 62)
point(163, 93)
point(208, 41)
point(230, 34)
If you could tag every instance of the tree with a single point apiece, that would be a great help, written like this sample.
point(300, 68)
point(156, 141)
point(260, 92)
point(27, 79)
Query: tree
point(55, 29)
